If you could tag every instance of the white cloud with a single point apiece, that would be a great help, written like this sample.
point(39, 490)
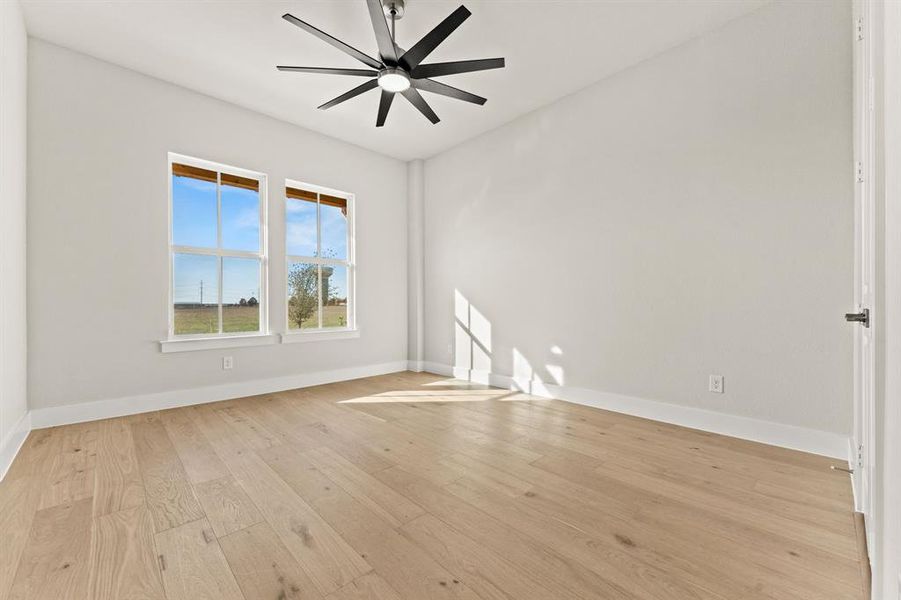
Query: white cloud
point(246, 219)
point(302, 235)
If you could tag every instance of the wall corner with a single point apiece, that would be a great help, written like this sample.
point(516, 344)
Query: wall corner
point(415, 262)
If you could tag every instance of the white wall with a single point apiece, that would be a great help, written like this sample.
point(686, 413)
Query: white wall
point(13, 51)
point(98, 137)
point(692, 215)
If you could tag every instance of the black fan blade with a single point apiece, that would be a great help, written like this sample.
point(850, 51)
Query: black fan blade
point(363, 58)
point(384, 107)
point(382, 34)
point(419, 102)
point(369, 85)
point(456, 67)
point(329, 71)
point(429, 85)
point(424, 47)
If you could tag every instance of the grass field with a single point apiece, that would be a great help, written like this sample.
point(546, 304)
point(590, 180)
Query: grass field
point(235, 319)
point(332, 316)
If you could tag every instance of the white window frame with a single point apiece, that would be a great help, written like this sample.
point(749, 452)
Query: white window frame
point(179, 342)
point(350, 263)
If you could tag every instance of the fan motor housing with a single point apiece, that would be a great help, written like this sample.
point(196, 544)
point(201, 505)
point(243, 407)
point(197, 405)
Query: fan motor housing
point(395, 7)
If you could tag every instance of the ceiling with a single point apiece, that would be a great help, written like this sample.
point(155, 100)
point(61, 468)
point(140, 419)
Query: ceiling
point(229, 50)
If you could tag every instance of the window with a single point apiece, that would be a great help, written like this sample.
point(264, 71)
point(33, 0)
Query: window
point(217, 249)
point(320, 257)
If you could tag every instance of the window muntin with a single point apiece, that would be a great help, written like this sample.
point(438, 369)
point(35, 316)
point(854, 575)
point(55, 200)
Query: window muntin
point(320, 268)
point(217, 250)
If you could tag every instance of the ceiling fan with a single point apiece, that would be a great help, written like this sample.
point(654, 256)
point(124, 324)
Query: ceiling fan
point(399, 71)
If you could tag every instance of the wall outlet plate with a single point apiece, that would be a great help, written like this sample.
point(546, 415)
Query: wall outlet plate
point(715, 384)
point(227, 363)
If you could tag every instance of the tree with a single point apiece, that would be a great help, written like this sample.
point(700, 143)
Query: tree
point(303, 281)
point(242, 302)
point(253, 302)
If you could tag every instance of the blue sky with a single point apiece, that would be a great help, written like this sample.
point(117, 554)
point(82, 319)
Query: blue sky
point(194, 215)
point(300, 224)
point(339, 281)
point(241, 278)
point(194, 224)
point(193, 212)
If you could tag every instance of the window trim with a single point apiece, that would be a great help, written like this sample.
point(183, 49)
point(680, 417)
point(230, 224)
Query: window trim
point(263, 256)
point(350, 263)
point(213, 343)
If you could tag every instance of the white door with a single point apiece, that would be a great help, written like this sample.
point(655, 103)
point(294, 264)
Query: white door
point(863, 437)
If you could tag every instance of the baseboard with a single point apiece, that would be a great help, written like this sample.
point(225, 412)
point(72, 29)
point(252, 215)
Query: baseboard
point(130, 405)
point(824, 443)
point(787, 436)
point(417, 366)
point(12, 443)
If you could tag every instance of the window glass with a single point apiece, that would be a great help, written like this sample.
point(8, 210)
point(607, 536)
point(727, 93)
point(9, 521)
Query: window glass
point(334, 296)
point(303, 295)
point(333, 217)
point(194, 213)
point(240, 294)
point(195, 293)
point(216, 251)
point(240, 217)
point(319, 246)
point(300, 227)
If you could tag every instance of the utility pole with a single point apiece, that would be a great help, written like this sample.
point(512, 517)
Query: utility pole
point(201, 293)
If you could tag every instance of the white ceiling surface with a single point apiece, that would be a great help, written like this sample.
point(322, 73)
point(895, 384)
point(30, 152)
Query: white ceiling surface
point(229, 50)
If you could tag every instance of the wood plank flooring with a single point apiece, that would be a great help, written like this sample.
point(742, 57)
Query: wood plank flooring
point(415, 487)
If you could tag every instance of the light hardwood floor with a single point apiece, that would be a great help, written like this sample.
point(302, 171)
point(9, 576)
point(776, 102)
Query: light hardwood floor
point(414, 487)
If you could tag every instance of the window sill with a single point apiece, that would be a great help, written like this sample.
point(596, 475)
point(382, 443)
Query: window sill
point(213, 343)
point(320, 335)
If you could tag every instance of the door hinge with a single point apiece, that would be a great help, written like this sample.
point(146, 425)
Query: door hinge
point(860, 455)
point(858, 172)
point(859, 28)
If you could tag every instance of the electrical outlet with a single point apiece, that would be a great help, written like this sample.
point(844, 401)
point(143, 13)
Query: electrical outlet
point(715, 384)
point(227, 362)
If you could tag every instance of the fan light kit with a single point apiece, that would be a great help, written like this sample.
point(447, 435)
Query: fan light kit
point(394, 80)
point(399, 71)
